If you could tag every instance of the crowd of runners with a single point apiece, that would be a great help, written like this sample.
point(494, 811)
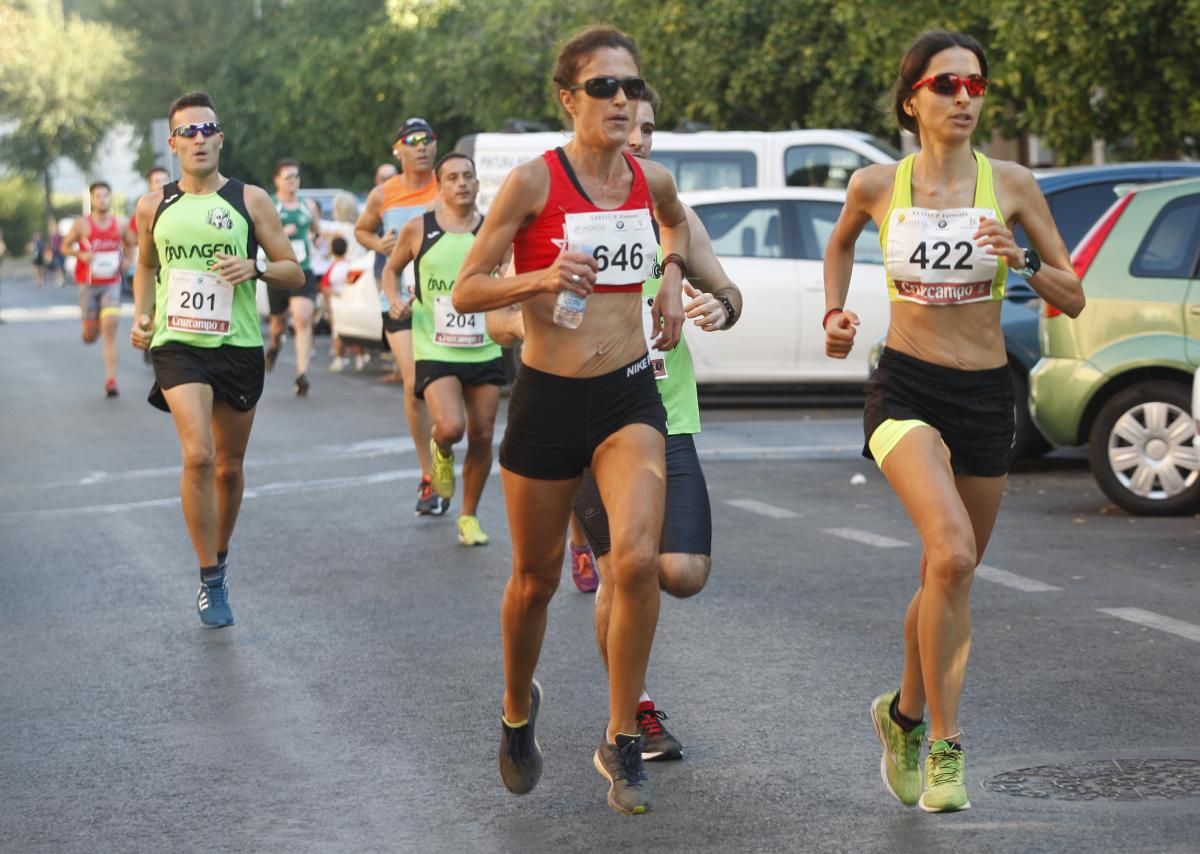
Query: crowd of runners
point(589, 259)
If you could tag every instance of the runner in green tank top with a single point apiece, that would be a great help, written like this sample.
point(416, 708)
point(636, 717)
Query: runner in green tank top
point(938, 410)
point(685, 547)
point(194, 303)
point(298, 220)
point(458, 367)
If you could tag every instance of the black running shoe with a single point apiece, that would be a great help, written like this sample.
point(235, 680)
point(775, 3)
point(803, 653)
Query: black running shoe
point(429, 503)
point(621, 764)
point(271, 355)
point(520, 755)
point(302, 385)
point(657, 743)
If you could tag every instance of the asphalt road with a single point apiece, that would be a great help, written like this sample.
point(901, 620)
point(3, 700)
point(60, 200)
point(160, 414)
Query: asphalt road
point(354, 705)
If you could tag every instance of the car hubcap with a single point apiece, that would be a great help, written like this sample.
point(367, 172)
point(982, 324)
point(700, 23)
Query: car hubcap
point(1151, 452)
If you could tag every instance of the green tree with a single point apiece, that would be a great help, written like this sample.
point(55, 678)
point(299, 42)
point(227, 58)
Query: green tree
point(57, 85)
point(1126, 72)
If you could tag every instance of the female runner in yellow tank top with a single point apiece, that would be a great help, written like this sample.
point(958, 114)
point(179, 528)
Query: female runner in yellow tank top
point(938, 418)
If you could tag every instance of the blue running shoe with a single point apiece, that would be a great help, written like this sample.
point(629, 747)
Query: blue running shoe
point(213, 604)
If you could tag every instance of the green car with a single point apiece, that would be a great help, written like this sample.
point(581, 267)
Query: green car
point(1119, 376)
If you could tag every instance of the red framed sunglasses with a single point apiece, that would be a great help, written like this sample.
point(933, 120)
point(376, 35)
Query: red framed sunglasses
point(949, 84)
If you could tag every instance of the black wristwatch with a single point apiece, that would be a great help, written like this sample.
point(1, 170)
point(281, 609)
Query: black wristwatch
point(1032, 264)
point(729, 310)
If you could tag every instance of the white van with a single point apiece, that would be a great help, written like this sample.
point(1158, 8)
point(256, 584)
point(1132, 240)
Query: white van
point(706, 160)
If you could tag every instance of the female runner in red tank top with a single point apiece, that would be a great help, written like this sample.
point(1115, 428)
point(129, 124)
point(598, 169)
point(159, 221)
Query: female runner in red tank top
point(583, 396)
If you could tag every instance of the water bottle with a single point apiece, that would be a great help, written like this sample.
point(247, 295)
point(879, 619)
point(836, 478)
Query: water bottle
point(568, 308)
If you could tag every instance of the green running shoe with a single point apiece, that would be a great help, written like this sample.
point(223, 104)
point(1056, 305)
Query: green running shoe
point(900, 765)
point(944, 773)
point(442, 478)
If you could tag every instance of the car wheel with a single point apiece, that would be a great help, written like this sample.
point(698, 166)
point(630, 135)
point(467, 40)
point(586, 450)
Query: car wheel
point(1029, 441)
point(1141, 450)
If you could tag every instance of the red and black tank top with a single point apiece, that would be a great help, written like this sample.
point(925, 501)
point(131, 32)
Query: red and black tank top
point(621, 255)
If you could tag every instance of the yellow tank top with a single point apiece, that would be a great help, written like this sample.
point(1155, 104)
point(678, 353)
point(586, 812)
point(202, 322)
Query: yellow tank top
point(929, 255)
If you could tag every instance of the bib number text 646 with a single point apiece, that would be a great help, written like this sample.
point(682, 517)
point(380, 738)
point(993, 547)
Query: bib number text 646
point(627, 257)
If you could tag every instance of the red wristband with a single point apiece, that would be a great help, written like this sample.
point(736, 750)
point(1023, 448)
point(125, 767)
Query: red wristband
point(830, 314)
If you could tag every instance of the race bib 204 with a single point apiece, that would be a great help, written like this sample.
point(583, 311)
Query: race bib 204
point(452, 329)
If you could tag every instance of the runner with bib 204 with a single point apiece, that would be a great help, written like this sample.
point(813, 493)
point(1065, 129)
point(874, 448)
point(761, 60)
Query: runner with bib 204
point(938, 417)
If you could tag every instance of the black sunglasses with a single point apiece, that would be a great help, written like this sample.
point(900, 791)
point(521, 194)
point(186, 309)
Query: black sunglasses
point(606, 87)
point(206, 128)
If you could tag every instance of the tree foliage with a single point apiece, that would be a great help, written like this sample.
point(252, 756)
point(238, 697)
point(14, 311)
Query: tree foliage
point(1126, 72)
point(327, 83)
point(58, 87)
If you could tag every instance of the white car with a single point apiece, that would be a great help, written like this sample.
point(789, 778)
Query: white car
point(771, 242)
point(1196, 409)
point(705, 160)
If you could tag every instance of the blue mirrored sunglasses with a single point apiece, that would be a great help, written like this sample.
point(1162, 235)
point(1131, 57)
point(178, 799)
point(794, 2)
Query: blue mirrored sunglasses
point(206, 128)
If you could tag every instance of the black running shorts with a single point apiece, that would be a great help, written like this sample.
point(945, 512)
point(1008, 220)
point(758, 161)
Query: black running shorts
point(687, 520)
point(973, 410)
point(235, 373)
point(556, 423)
point(490, 372)
point(390, 324)
point(277, 298)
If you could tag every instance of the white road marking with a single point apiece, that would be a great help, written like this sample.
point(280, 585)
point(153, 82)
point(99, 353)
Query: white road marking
point(390, 447)
point(286, 487)
point(761, 508)
point(318, 454)
point(52, 312)
point(857, 536)
point(1011, 579)
point(1155, 621)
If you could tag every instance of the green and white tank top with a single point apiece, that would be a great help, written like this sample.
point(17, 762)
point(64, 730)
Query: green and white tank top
point(192, 305)
point(676, 379)
point(301, 217)
point(441, 334)
point(930, 255)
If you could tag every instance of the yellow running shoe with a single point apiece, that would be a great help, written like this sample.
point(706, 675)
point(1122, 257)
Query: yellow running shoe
point(443, 471)
point(945, 788)
point(469, 532)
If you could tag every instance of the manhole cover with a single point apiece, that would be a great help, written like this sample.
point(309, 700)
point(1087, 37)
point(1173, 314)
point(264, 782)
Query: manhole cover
point(1104, 779)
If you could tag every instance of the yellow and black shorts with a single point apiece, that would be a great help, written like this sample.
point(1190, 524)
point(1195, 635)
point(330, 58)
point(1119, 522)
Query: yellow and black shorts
point(972, 410)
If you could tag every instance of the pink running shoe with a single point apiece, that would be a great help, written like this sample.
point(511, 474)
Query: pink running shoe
point(583, 569)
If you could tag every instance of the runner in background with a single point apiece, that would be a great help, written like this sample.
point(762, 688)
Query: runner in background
point(299, 225)
point(459, 369)
point(389, 206)
point(97, 242)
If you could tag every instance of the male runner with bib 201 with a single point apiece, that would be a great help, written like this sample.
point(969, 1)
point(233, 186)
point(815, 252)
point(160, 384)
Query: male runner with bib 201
point(194, 289)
